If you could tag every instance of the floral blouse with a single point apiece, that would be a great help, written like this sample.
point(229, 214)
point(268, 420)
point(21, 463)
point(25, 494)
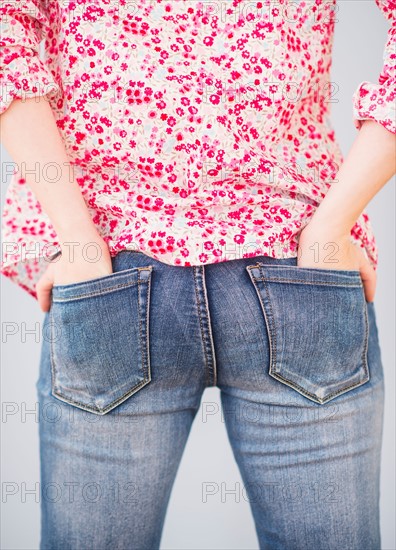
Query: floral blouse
point(198, 131)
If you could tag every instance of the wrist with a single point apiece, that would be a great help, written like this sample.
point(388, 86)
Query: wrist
point(76, 229)
point(328, 228)
point(320, 245)
point(80, 238)
point(84, 250)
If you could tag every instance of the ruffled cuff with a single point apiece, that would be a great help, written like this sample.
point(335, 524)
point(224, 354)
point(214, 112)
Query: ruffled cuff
point(23, 75)
point(376, 102)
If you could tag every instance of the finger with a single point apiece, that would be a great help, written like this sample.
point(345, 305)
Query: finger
point(369, 279)
point(44, 291)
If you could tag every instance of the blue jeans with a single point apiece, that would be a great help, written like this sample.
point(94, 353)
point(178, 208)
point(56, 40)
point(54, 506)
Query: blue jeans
point(124, 364)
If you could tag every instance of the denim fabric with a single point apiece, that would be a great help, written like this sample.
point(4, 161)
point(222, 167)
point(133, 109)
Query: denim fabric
point(317, 323)
point(124, 364)
point(97, 365)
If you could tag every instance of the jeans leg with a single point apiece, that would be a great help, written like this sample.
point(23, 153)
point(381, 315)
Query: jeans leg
point(311, 472)
point(106, 479)
point(312, 477)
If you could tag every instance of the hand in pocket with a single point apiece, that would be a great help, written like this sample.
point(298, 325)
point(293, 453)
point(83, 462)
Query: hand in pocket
point(80, 261)
point(323, 249)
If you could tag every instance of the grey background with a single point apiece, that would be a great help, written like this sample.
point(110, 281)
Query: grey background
point(190, 522)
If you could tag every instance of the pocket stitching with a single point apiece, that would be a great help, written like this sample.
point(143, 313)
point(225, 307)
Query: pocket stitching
point(273, 346)
point(77, 286)
point(334, 271)
point(114, 274)
point(146, 361)
point(304, 282)
point(93, 294)
point(329, 396)
point(145, 343)
point(111, 406)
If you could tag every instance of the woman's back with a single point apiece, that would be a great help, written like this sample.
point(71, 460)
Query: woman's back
point(199, 132)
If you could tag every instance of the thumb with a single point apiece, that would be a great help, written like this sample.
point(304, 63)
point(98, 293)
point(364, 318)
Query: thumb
point(44, 289)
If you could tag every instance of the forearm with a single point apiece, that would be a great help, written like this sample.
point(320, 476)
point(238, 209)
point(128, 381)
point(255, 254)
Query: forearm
point(31, 137)
point(369, 165)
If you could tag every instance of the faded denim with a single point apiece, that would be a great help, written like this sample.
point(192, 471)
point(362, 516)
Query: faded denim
point(125, 361)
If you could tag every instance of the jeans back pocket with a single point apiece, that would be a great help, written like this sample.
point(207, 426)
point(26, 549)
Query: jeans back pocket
point(317, 327)
point(100, 352)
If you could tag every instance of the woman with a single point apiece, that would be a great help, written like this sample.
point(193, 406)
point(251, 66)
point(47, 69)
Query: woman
point(182, 213)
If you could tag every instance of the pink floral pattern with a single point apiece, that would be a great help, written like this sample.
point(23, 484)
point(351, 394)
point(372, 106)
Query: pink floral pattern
point(199, 132)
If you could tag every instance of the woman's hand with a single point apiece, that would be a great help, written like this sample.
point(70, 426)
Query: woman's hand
point(367, 168)
point(331, 250)
point(84, 261)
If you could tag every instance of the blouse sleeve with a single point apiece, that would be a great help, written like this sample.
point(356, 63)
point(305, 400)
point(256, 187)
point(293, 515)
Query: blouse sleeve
point(377, 100)
point(22, 73)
